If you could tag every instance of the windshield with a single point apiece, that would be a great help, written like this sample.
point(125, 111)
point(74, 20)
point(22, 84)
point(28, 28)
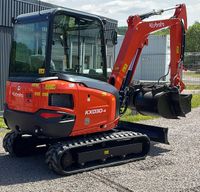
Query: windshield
point(77, 46)
point(28, 49)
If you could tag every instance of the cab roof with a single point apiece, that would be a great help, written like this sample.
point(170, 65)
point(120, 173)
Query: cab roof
point(45, 14)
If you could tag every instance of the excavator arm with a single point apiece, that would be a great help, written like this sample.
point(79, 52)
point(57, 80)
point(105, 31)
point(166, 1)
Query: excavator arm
point(164, 100)
point(137, 37)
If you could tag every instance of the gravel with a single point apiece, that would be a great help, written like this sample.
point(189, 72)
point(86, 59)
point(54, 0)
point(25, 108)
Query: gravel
point(174, 167)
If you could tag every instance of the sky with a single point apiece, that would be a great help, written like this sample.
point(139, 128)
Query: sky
point(121, 9)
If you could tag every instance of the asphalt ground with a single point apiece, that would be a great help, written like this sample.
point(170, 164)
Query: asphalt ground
point(174, 167)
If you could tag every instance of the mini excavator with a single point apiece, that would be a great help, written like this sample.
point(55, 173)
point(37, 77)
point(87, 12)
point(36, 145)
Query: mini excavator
point(58, 94)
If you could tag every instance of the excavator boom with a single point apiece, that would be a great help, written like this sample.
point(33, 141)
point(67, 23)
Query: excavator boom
point(155, 99)
point(137, 37)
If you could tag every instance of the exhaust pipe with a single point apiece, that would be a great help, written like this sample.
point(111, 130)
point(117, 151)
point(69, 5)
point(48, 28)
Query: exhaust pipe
point(169, 103)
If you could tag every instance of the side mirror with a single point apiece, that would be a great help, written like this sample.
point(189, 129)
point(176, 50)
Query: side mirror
point(114, 37)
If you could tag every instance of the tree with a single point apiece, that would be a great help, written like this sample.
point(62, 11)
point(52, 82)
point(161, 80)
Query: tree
point(162, 32)
point(122, 30)
point(193, 38)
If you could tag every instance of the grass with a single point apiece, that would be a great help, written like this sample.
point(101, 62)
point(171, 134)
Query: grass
point(2, 133)
point(130, 118)
point(195, 101)
point(193, 87)
point(134, 118)
point(192, 74)
point(2, 124)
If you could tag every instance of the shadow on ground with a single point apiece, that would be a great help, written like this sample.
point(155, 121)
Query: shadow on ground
point(23, 170)
point(156, 150)
point(32, 169)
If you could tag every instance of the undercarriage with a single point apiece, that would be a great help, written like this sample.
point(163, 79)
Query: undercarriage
point(66, 156)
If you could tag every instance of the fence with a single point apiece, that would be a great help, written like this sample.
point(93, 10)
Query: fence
point(191, 76)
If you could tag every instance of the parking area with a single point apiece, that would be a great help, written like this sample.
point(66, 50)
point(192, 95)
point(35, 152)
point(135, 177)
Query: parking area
point(174, 167)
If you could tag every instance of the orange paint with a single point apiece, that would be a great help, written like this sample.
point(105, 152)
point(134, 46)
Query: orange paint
point(84, 108)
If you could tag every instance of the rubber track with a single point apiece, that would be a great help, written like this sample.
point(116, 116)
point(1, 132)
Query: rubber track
point(17, 146)
point(8, 141)
point(55, 152)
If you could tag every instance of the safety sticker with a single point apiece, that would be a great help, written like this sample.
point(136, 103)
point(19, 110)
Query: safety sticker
point(50, 86)
point(41, 71)
point(106, 152)
point(124, 68)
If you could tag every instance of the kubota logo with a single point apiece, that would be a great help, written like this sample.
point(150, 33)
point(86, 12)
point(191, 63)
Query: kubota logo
point(17, 94)
point(95, 111)
point(156, 25)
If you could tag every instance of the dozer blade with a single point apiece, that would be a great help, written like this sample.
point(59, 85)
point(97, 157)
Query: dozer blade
point(155, 133)
point(97, 151)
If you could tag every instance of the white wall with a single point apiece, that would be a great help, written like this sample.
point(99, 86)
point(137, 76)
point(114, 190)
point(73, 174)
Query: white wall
point(154, 60)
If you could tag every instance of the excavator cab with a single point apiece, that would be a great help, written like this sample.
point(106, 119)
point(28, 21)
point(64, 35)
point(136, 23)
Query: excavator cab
point(57, 80)
point(58, 41)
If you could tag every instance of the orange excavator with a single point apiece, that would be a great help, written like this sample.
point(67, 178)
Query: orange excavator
point(59, 96)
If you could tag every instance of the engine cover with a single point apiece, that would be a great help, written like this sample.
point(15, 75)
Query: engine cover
point(92, 109)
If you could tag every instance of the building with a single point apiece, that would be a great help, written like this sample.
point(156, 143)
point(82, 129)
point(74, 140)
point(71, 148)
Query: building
point(154, 59)
point(13, 8)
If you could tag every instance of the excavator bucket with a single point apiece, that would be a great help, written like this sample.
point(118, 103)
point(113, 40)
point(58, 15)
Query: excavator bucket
point(173, 105)
point(168, 104)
